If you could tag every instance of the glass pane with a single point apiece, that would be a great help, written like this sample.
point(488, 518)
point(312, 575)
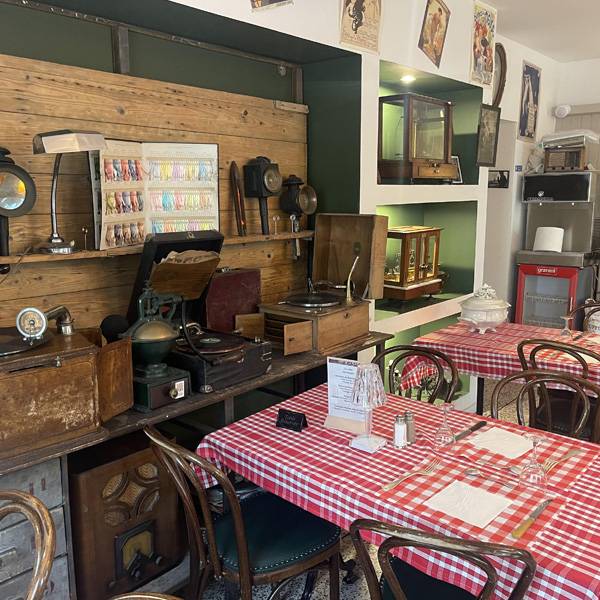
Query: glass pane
point(428, 128)
point(546, 300)
point(392, 137)
point(431, 254)
point(12, 191)
point(393, 263)
point(412, 259)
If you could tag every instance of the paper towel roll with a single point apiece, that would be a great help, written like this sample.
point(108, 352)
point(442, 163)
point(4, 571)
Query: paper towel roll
point(548, 239)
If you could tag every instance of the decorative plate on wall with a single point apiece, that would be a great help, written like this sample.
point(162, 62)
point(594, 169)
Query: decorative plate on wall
point(499, 74)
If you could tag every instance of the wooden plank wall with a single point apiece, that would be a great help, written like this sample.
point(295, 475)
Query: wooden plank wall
point(40, 96)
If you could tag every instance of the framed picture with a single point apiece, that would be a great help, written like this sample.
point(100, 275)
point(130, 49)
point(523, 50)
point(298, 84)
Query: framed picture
point(484, 37)
point(456, 162)
point(360, 23)
point(433, 30)
point(258, 4)
point(530, 102)
point(487, 135)
point(498, 178)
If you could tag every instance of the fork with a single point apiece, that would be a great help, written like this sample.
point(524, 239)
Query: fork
point(549, 465)
point(425, 471)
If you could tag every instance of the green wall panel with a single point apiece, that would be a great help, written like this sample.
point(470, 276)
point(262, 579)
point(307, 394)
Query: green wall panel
point(154, 58)
point(332, 89)
point(34, 34)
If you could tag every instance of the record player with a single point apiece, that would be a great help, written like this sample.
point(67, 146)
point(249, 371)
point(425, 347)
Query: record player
point(347, 269)
point(214, 360)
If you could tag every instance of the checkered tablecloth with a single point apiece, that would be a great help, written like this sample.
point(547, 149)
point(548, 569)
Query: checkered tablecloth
point(317, 470)
point(493, 355)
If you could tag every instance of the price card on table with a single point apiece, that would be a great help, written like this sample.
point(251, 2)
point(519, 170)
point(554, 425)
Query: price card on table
point(343, 413)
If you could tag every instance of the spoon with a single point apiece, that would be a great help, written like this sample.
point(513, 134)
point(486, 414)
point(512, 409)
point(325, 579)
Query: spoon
point(474, 472)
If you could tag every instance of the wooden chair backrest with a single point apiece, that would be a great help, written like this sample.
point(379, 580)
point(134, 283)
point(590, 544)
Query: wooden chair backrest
point(591, 307)
point(180, 463)
point(474, 552)
point(439, 359)
point(44, 532)
point(540, 380)
point(144, 596)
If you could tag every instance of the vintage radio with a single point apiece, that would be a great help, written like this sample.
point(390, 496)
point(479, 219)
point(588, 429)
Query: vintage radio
point(565, 159)
point(348, 264)
point(125, 518)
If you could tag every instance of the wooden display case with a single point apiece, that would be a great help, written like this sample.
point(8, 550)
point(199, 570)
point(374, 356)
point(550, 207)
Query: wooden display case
point(415, 268)
point(415, 138)
point(339, 238)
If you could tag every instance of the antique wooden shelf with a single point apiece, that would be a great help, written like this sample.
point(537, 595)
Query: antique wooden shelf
point(93, 254)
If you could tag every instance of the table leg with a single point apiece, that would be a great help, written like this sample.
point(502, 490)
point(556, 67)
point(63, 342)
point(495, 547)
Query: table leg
point(480, 394)
point(299, 383)
point(229, 408)
point(378, 349)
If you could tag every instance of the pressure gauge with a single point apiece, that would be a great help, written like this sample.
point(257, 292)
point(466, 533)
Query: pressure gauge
point(32, 324)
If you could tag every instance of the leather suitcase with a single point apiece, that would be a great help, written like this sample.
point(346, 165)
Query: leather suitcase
point(231, 292)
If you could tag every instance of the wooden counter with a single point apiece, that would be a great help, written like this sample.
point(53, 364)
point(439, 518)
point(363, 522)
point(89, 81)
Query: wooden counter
point(282, 368)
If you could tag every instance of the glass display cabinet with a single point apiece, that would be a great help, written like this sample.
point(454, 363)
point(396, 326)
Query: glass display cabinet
point(412, 268)
point(415, 139)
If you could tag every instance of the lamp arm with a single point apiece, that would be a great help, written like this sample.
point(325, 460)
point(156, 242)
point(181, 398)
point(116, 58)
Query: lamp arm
point(55, 237)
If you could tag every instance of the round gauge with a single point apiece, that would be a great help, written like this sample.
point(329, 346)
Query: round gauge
point(32, 323)
point(272, 179)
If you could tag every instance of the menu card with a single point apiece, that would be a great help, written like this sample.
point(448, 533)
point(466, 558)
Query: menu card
point(343, 412)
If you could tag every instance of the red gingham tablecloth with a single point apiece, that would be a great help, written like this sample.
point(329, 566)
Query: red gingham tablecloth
point(317, 470)
point(493, 355)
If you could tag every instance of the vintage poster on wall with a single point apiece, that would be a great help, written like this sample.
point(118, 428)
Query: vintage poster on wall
point(260, 4)
point(487, 135)
point(155, 188)
point(530, 102)
point(433, 30)
point(360, 24)
point(484, 36)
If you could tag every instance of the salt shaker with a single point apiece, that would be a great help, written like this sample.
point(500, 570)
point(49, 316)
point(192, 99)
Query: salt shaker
point(410, 427)
point(400, 437)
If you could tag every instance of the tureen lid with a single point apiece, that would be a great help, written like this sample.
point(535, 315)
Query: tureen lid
point(484, 298)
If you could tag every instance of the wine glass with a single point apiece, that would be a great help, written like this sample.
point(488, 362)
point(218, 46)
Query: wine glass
point(444, 436)
point(566, 330)
point(533, 474)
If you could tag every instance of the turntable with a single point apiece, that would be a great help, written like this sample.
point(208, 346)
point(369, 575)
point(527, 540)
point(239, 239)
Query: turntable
point(348, 265)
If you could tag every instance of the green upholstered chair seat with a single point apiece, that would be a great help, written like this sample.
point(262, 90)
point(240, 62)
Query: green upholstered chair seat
point(420, 586)
point(278, 533)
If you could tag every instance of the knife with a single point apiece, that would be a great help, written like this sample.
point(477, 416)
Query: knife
point(519, 531)
point(470, 430)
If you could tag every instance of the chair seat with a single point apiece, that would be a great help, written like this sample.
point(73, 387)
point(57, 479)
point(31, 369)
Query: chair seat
point(278, 533)
point(560, 403)
point(420, 586)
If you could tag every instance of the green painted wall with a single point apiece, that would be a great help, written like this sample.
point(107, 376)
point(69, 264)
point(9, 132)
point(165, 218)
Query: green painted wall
point(332, 89)
point(457, 243)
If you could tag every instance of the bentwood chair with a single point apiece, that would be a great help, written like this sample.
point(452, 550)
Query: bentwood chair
point(261, 539)
point(401, 581)
point(43, 532)
point(144, 596)
point(535, 409)
point(435, 385)
point(589, 309)
point(561, 403)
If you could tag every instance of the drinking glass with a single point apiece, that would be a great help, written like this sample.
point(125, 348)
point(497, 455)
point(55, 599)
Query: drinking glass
point(566, 330)
point(533, 474)
point(444, 437)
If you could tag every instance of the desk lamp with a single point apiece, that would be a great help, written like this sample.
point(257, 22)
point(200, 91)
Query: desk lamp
point(59, 143)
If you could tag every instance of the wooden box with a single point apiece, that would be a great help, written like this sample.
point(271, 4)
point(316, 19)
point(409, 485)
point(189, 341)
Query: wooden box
point(61, 390)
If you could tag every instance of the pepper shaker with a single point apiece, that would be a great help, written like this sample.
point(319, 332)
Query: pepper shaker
point(410, 427)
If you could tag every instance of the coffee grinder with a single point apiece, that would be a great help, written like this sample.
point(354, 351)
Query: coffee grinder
point(153, 336)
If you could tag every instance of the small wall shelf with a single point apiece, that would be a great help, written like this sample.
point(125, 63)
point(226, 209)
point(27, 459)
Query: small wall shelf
point(128, 250)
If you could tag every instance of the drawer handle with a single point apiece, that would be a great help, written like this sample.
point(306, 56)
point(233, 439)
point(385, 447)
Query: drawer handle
point(7, 557)
point(347, 316)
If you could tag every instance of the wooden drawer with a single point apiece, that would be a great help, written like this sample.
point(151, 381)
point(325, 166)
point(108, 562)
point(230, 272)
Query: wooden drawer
point(290, 335)
point(342, 327)
point(43, 481)
point(58, 585)
point(17, 546)
point(444, 171)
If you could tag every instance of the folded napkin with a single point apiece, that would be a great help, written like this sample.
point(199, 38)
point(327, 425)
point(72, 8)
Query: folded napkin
point(468, 503)
point(501, 441)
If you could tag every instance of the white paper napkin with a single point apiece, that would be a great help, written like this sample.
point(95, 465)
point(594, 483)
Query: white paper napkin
point(501, 441)
point(468, 503)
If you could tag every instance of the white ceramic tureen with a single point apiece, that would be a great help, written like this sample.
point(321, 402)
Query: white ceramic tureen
point(484, 310)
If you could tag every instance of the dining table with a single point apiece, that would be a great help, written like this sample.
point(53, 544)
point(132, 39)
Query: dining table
point(318, 470)
point(493, 354)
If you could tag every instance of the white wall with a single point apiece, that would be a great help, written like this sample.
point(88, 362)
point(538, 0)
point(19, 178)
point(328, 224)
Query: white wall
point(579, 82)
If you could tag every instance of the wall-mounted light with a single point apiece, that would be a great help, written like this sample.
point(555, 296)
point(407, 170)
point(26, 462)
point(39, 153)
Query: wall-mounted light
point(408, 78)
point(59, 143)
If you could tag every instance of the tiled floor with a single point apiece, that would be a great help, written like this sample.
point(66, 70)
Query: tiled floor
point(354, 591)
